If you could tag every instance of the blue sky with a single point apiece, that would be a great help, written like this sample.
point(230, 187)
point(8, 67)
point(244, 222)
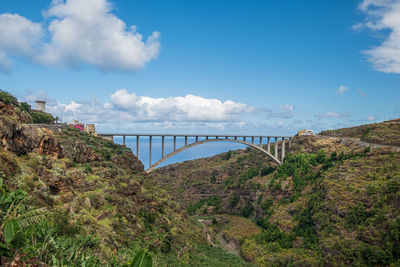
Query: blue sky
point(209, 66)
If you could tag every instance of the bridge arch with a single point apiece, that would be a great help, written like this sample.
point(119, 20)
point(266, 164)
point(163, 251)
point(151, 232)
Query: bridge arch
point(153, 166)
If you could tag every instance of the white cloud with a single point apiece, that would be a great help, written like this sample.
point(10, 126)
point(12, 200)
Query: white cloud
point(383, 15)
point(331, 115)
point(126, 107)
point(78, 32)
point(371, 118)
point(342, 89)
point(283, 112)
point(187, 108)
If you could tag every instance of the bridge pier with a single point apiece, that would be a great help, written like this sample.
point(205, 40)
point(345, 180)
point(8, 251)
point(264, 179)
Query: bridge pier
point(269, 145)
point(174, 143)
point(150, 150)
point(162, 147)
point(137, 146)
point(283, 149)
point(197, 139)
point(185, 140)
point(276, 147)
point(124, 140)
point(260, 141)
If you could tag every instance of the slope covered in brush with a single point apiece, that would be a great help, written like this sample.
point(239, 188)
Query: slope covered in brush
point(332, 202)
point(384, 133)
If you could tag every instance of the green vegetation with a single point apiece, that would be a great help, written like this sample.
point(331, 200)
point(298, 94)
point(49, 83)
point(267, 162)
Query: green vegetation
point(329, 203)
point(7, 98)
point(214, 201)
point(39, 117)
point(32, 235)
point(385, 133)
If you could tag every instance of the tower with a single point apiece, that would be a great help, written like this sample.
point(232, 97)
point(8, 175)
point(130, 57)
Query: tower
point(41, 105)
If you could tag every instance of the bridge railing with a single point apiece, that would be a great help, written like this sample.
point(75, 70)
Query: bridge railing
point(259, 139)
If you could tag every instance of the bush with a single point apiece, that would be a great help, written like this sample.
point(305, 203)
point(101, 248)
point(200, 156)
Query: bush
point(7, 98)
point(24, 107)
point(252, 172)
point(227, 155)
point(213, 179)
point(247, 210)
point(234, 201)
point(267, 170)
point(39, 117)
point(357, 215)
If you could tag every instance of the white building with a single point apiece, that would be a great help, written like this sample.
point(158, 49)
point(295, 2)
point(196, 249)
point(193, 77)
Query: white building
point(41, 105)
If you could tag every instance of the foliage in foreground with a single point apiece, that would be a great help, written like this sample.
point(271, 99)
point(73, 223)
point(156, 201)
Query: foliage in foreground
point(29, 235)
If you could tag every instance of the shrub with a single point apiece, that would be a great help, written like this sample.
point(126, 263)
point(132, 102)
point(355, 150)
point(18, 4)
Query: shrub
point(267, 170)
point(252, 172)
point(7, 98)
point(227, 155)
point(247, 210)
point(357, 215)
point(234, 201)
point(39, 117)
point(24, 107)
point(213, 179)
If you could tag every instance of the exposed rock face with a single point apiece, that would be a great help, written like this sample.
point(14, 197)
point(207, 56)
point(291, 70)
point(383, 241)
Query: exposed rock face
point(22, 139)
point(80, 153)
point(9, 111)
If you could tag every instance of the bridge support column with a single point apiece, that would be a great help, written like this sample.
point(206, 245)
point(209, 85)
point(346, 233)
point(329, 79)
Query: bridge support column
point(197, 139)
point(290, 141)
point(260, 141)
point(269, 145)
point(276, 147)
point(244, 138)
point(162, 147)
point(124, 140)
point(206, 137)
point(137, 146)
point(252, 140)
point(283, 149)
point(150, 150)
point(235, 137)
point(185, 140)
point(174, 143)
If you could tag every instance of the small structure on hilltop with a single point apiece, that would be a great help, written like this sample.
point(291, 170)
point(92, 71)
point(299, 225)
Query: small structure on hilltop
point(91, 129)
point(40, 105)
point(76, 124)
point(306, 132)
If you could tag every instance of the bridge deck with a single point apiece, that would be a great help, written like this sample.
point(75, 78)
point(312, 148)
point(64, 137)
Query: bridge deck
point(191, 135)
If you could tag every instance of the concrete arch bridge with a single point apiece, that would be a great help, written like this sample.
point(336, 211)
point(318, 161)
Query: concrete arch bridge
point(257, 142)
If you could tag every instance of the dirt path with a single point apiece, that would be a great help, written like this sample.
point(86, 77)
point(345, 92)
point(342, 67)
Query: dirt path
point(361, 143)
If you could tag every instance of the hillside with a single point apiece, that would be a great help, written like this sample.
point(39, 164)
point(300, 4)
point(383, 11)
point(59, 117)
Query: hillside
point(384, 133)
point(332, 201)
point(71, 199)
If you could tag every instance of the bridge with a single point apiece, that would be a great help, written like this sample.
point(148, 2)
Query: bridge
point(261, 140)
